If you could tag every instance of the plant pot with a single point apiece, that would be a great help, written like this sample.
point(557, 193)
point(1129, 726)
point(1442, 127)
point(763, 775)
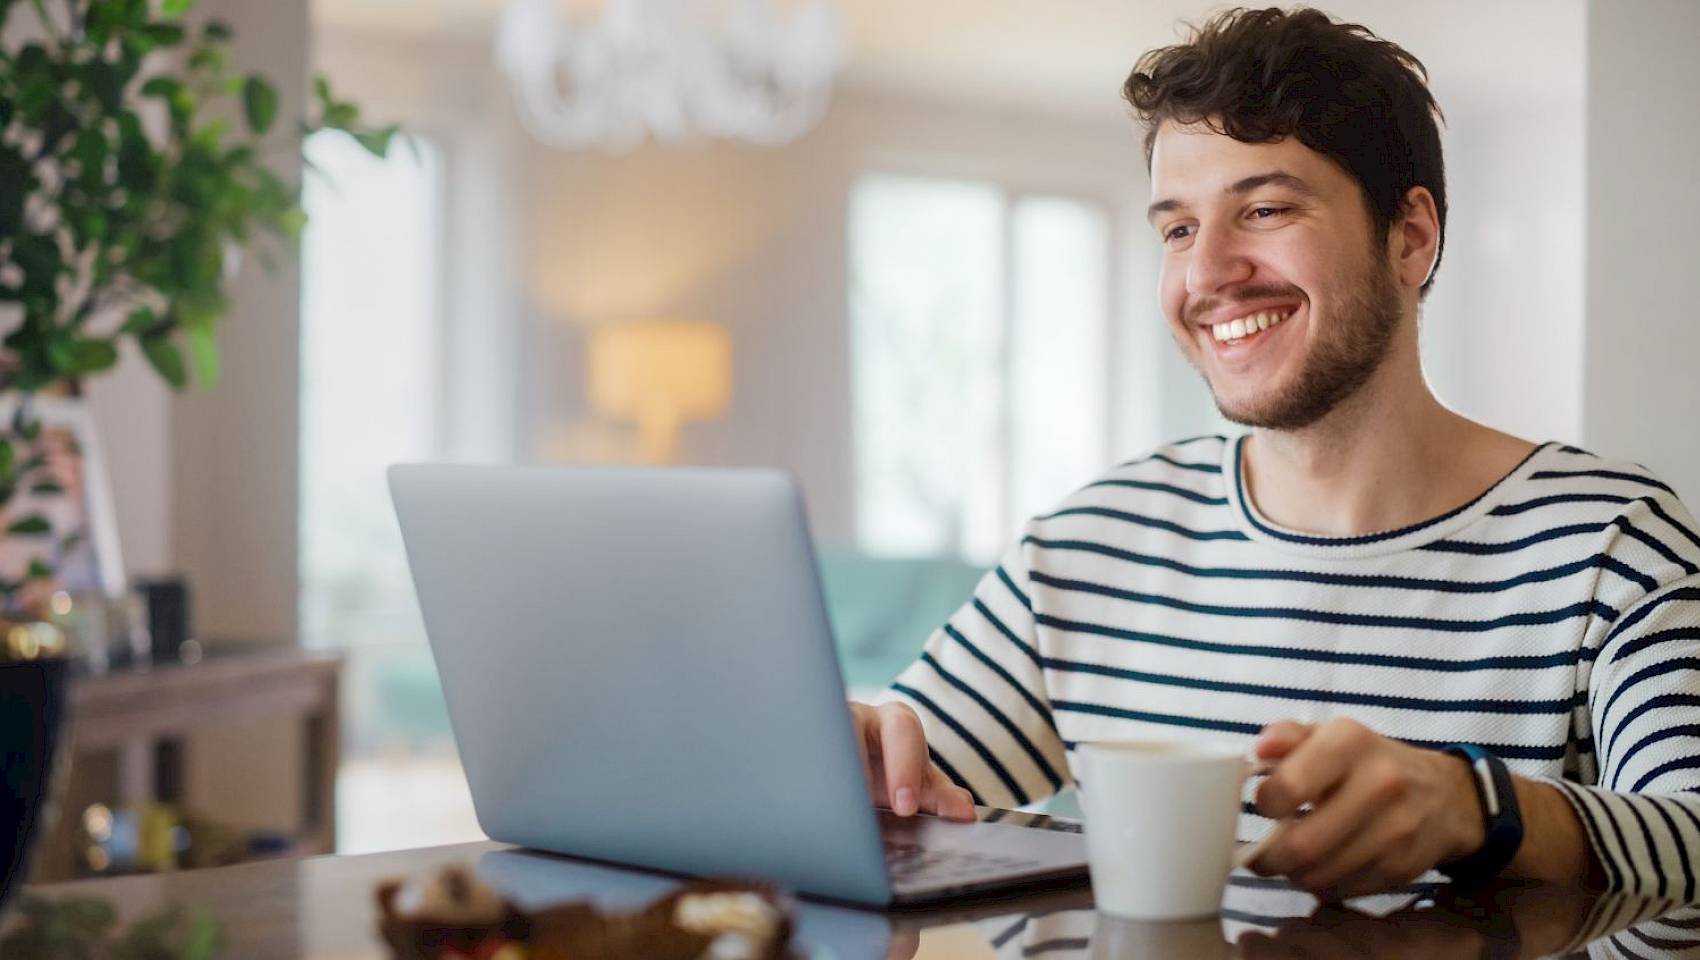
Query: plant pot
point(32, 721)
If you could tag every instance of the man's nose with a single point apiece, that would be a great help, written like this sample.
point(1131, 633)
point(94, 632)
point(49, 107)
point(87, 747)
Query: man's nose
point(1216, 262)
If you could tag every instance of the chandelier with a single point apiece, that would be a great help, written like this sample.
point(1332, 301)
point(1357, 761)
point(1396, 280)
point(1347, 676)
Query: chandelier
point(670, 69)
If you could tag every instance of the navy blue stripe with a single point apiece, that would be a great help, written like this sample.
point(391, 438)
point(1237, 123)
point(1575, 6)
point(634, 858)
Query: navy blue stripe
point(1682, 844)
point(1595, 836)
point(1661, 943)
point(968, 737)
point(1578, 450)
point(1039, 708)
point(1627, 572)
point(1508, 662)
point(1646, 706)
point(1512, 509)
point(1258, 920)
point(1010, 934)
point(1690, 762)
point(1623, 948)
point(1197, 439)
point(1163, 719)
point(1511, 546)
point(1010, 635)
point(1646, 609)
point(1144, 521)
point(1156, 487)
point(1505, 751)
point(1582, 609)
point(1390, 701)
point(1652, 846)
point(956, 778)
point(1061, 943)
point(1588, 801)
point(1620, 764)
point(1004, 576)
point(1200, 467)
point(1602, 474)
point(1648, 672)
point(1655, 544)
point(1251, 518)
point(1681, 849)
point(1637, 644)
point(1020, 738)
point(1687, 921)
point(1658, 511)
point(1352, 579)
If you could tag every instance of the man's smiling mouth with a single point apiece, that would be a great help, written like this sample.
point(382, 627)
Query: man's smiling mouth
point(1239, 328)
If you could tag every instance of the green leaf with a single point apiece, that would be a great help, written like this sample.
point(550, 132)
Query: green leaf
point(259, 101)
point(165, 87)
point(322, 89)
point(377, 142)
point(201, 943)
point(6, 456)
point(33, 525)
point(39, 571)
point(47, 488)
point(164, 34)
point(166, 359)
point(140, 322)
point(217, 30)
point(93, 356)
point(175, 8)
point(203, 349)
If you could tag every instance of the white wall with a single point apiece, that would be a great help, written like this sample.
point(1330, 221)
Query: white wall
point(1642, 382)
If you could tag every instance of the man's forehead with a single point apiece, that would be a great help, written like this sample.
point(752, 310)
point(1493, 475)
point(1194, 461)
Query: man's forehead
point(1192, 161)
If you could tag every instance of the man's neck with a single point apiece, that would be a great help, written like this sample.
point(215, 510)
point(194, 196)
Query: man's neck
point(1389, 456)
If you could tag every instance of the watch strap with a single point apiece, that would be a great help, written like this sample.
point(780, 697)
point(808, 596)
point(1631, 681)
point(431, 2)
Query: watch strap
point(1501, 818)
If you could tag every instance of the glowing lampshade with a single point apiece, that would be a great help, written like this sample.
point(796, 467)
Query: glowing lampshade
point(661, 374)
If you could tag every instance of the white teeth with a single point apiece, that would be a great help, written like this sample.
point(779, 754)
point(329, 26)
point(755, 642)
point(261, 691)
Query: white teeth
point(1243, 326)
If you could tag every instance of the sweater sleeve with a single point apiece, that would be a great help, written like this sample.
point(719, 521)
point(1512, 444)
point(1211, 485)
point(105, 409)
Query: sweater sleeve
point(1641, 812)
point(979, 689)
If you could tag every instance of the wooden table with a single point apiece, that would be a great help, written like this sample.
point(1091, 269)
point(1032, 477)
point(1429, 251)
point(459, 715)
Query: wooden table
point(147, 718)
point(322, 908)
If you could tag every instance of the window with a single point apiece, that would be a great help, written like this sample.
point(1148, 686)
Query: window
point(980, 357)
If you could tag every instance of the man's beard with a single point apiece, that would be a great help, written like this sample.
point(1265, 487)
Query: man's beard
point(1357, 341)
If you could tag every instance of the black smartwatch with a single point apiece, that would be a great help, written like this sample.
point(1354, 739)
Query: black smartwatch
point(1501, 818)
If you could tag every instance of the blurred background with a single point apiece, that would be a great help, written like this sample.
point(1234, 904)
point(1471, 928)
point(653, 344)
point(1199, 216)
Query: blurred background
point(929, 292)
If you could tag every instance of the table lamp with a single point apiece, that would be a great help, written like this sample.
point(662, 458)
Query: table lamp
point(660, 373)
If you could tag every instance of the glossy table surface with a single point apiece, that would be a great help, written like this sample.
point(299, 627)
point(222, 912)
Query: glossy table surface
point(323, 908)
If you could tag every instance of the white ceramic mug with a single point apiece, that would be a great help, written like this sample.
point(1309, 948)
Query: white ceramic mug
point(1160, 818)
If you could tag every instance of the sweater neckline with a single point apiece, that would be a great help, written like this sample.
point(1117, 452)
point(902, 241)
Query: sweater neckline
point(1260, 528)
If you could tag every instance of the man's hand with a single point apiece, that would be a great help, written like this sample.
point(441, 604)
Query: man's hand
point(900, 776)
point(1382, 812)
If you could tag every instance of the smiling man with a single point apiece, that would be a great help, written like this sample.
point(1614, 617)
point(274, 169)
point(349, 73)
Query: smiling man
point(1462, 649)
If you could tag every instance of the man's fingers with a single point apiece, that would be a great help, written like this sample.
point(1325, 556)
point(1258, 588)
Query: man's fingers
point(1336, 839)
point(1280, 738)
point(1313, 770)
point(903, 746)
point(948, 800)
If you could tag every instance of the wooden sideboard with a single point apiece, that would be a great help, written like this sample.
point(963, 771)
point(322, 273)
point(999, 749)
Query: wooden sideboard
point(132, 734)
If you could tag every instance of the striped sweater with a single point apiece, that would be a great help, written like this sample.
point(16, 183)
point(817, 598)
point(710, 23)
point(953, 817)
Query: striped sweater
point(1554, 620)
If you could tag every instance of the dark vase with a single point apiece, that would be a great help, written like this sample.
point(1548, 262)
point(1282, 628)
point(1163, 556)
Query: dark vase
point(32, 717)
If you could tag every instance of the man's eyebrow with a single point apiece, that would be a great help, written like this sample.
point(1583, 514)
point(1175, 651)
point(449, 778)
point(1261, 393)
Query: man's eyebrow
point(1277, 178)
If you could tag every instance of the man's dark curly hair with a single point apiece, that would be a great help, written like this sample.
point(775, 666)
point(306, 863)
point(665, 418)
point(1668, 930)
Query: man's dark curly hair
point(1263, 75)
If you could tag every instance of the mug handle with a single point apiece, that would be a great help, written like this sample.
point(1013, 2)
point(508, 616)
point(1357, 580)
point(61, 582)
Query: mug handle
point(1249, 852)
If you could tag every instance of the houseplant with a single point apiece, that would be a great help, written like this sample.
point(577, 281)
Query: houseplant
point(133, 172)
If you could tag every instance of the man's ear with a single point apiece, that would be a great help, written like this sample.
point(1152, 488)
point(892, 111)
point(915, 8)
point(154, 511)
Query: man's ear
point(1414, 239)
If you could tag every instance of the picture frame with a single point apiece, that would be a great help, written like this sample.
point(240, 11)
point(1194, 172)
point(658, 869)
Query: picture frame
point(96, 563)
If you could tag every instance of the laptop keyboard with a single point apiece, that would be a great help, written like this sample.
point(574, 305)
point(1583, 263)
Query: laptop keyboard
point(910, 861)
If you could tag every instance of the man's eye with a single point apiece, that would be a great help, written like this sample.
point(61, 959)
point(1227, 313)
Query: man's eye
point(1176, 233)
point(1267, 213)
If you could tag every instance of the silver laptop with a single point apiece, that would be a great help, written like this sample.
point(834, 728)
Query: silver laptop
point(638, 669)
